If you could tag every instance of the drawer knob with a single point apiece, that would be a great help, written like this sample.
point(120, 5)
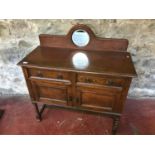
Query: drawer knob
point(59, 77)
point(109, 82)
point(39, 74)
point(88, 80)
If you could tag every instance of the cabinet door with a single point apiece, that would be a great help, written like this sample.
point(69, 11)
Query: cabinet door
point(51, 91)
point(99, 98)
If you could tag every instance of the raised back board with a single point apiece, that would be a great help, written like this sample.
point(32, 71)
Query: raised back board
point(96, 43)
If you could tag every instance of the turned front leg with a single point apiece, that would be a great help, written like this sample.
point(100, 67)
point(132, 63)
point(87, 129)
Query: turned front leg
point(1, 113)
point(116, 121)
point(39, 112)
point(38, 116)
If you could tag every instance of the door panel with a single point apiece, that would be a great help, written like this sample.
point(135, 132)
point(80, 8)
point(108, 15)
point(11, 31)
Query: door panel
point(98, 99)
point(94, 100)
point(52, 92)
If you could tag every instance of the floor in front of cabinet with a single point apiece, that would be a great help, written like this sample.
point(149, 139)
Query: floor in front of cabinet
point(19, 118)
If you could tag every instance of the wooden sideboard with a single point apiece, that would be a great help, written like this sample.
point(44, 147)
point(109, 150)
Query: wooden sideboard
point(98, 85)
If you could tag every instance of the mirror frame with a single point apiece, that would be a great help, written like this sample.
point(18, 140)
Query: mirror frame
point(82, 39)
point(84, 28)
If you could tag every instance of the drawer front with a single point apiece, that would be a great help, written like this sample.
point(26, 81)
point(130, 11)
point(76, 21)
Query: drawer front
point(99, 99)
point(100, 80)
point(51, 92)
point(48, 74)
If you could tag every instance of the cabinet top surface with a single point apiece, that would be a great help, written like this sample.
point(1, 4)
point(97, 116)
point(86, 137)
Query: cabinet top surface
point(100, 62)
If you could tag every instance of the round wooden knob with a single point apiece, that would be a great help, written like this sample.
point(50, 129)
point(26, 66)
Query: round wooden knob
point(109, 82)
point(59, 76)
point(39, 74)
point(88, 80)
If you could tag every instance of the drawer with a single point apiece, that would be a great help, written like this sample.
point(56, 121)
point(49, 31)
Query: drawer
point(101, 80)
point(48, 74)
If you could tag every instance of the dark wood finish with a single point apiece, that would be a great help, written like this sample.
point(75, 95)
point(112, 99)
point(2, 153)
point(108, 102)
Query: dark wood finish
point(53, 80)
point(60, 59)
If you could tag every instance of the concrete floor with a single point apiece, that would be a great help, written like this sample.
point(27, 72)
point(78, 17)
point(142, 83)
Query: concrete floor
point(19, 118)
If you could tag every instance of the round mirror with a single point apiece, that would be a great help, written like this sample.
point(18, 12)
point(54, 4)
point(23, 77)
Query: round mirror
point(80, 38)
point(80, 60)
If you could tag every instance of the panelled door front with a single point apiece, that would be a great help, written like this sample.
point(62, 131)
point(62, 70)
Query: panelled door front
point(98, 98)
point(51, 91)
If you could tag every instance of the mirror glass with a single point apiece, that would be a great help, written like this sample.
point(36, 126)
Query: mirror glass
point(80, 60)
point(80, 38)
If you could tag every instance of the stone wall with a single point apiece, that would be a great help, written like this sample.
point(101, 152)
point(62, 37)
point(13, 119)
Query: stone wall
point(19, 37)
